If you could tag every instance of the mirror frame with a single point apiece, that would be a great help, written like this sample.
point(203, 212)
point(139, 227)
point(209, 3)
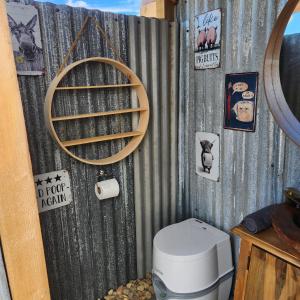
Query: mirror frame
point(275, 97)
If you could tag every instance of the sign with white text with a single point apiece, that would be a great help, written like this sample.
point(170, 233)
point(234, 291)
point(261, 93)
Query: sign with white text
point(53, 190)
point(208, 39)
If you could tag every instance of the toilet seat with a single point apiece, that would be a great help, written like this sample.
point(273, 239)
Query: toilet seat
point(187, 240)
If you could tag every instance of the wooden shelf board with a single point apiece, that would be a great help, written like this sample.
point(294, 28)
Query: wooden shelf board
point(63, 88)
point(98, 114)
point(101, 138)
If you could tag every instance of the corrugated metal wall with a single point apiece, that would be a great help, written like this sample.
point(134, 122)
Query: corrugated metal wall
point(255, 167)
point(154, 57)
point(91, 246)
point(4, 289)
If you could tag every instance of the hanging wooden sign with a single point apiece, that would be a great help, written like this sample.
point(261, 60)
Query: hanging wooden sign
point(136, 135)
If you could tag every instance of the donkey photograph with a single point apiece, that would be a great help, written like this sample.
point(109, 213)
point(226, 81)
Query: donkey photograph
point(28, 55)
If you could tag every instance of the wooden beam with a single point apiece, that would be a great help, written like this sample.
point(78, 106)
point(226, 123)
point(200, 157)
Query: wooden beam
point(160, 9)
point(242, 270)
point(19, 220)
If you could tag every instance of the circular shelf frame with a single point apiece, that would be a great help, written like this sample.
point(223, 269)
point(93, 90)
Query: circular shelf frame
point(143, 109)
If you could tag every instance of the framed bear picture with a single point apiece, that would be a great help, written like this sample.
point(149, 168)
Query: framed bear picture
point(207, 147)
point(240, 101)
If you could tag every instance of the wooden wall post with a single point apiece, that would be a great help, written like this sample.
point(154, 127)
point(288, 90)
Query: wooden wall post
point(20, 230)
point(160, 9)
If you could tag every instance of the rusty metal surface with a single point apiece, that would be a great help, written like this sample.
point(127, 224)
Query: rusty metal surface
point(255, 167)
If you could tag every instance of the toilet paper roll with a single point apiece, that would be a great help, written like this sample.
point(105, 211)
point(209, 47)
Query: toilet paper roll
point(107, 189)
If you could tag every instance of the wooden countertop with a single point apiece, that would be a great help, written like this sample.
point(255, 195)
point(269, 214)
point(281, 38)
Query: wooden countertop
point(269, 241)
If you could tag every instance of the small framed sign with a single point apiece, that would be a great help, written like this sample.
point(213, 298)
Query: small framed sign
point(208, 39)
point(240, 101)
point(53, 190)
point(207, 155)
point(26, 38)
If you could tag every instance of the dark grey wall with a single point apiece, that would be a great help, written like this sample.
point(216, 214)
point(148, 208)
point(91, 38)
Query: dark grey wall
point(89, 245)
point(254, 167)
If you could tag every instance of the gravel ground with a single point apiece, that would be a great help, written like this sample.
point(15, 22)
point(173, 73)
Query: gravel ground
point(140, 289)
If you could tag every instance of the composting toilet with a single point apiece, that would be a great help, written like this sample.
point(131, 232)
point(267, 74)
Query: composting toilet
point(192, 260)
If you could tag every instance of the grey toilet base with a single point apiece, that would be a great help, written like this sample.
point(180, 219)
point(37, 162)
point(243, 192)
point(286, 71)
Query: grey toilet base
point(218, 291)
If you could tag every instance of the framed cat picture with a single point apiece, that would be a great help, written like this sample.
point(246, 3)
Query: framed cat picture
point(207, 147)
point(240, 101)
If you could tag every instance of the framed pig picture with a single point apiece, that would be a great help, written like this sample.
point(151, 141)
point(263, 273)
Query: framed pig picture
point(207, 33)
point(207, 147)
point(240, 101)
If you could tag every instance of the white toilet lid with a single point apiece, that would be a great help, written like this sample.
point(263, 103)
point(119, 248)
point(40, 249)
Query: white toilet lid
point(188, 238)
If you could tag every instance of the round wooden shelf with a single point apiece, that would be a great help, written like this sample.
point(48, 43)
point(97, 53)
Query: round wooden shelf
point(143, 109)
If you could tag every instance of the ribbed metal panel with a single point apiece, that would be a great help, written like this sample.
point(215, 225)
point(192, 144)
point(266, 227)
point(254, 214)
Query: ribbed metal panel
point(255, 167)
point(153, 56)
point(90, 245)
point(4, 289)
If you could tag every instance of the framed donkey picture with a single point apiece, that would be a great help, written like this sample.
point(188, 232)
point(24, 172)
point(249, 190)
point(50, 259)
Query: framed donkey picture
point(26, 38)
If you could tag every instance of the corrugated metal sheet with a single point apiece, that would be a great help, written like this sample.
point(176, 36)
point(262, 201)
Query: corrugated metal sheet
point(153, 56)
point(91, 246)
point(255, 167)
point(4, 289)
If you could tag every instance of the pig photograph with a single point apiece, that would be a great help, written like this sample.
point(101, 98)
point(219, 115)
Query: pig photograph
point(240, 101)
point(207, 155)
point(208, 39)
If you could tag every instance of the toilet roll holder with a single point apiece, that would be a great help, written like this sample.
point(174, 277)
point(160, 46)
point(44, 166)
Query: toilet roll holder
point(102, 175)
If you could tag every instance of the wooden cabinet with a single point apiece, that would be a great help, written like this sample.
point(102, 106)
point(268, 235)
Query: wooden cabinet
point(268, 269)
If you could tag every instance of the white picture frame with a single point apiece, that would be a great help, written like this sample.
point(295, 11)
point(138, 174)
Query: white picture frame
point(207, 148)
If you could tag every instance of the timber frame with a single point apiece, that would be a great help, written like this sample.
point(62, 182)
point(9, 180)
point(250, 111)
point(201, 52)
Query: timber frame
point(160, 9)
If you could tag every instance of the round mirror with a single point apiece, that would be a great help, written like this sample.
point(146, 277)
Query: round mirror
point(282, 70)
point(289, 63)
